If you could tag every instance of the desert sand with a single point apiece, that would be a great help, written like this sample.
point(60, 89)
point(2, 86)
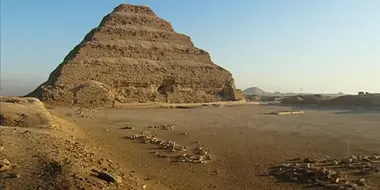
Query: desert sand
point(243, 141)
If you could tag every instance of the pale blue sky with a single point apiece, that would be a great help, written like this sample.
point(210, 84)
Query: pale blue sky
point(278, 45)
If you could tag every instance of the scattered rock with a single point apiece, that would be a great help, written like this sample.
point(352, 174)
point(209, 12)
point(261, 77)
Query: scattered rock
point(118, 179)
point(336, 180)
point(200, 151)
point(198, 155)
point(308, 160)
point(84, 113)
point(164, 127)
point(26, 132)
point(367, 159)
point(11, 175)
point(361, 182)
point(5, 165)
point(354, 185)
point(107, 177)
point(346, 160)
point(327, 172)
point(150, 139)
point(128, 127)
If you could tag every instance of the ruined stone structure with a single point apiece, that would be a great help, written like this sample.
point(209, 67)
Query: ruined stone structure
point(135, 56)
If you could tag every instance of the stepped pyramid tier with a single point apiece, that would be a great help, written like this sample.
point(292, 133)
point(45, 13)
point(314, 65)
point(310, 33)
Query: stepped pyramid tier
point(135, 56)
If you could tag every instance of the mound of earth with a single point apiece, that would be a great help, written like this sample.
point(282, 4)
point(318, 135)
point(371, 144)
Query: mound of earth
point(44, 159)
point(41, 151)
point(24, 112)
point(135, 56)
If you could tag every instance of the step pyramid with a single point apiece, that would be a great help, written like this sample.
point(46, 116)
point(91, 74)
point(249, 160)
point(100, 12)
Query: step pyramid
point(135, 56)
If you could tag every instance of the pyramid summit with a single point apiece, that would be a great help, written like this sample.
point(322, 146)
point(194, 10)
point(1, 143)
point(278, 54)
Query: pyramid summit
point(135, 56)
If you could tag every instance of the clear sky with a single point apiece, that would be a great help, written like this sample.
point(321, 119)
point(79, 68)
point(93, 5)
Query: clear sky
point(321, 46)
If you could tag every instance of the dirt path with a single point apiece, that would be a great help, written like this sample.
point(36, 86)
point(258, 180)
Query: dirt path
point(243, 141)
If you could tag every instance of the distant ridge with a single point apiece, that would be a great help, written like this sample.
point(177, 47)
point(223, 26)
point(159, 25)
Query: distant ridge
point(260, 92)
point(254, 91)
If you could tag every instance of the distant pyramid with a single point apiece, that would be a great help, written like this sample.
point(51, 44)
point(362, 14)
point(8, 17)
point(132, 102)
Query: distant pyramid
point(135, 56)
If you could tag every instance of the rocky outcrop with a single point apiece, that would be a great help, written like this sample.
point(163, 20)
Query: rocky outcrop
point(135, 56)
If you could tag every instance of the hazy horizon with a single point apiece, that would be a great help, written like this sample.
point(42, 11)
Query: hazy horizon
point(325, 46)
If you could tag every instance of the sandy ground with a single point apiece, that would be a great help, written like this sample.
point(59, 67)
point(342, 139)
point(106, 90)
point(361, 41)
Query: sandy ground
point(41, 151)
point(243, 140)
point(55, 159)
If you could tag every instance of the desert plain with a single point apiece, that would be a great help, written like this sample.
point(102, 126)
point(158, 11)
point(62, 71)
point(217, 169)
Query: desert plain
point(243, 141)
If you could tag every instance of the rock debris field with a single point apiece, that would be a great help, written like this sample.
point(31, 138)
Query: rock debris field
point(236, 147)
point(347, 173)
point(172, 150)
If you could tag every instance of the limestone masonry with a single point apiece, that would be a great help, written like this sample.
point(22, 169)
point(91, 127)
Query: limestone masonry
point(135, 56)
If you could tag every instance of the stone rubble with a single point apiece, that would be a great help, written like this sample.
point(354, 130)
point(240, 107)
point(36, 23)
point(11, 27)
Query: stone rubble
point(128, 127)
point(84, 113)
point(329, 173)
point(198, 155)
point(151, 139)
point(164, 127)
